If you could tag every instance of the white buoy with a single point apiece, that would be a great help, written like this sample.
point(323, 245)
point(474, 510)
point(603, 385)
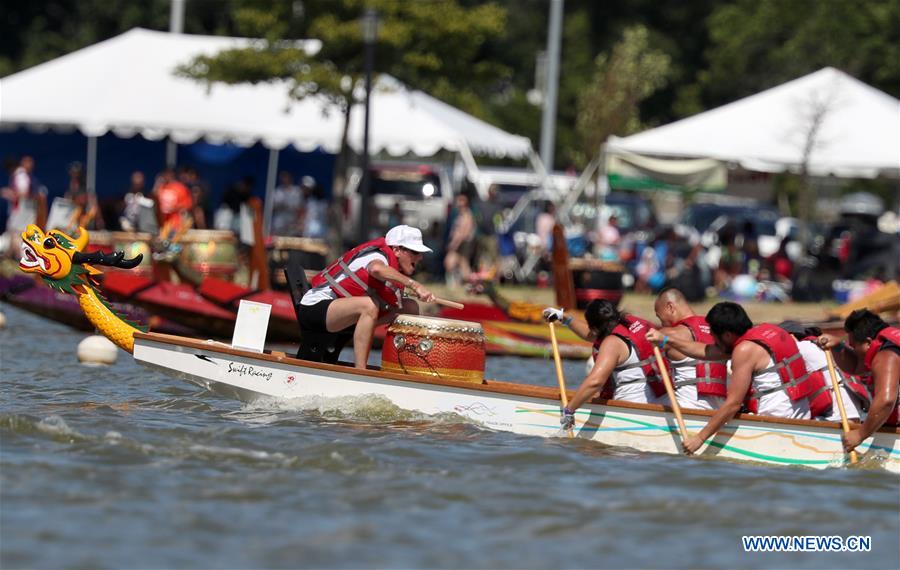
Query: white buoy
point(2, 321)
point(97, 349)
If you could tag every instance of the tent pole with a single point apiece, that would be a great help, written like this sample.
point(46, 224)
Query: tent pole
point(91, 171)
point(548, 119)
point(171, 153)
point(271, 175)
point(465, 153)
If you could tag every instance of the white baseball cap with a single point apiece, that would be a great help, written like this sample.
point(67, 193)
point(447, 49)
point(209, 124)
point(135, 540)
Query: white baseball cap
point(408, 237)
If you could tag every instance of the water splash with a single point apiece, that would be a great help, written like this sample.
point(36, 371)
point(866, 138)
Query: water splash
point(369, 408)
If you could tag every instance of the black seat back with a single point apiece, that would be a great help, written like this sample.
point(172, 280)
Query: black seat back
point(297, 283)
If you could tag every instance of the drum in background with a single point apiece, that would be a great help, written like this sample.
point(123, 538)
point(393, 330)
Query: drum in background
point(285, 250)
point(210, 252)
point(596, 279)
point(431, 346)
point(134, 244)
point(131, 244)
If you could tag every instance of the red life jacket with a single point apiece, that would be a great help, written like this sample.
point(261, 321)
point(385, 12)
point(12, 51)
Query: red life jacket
point(889, 335)
point(386, 294)
point(635, 336)
point(712, 375)
point(789, 364)
point(820, 400)
point(858, 387)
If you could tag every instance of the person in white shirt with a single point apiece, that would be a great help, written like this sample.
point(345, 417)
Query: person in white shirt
point(364, 288)
point(764, 359)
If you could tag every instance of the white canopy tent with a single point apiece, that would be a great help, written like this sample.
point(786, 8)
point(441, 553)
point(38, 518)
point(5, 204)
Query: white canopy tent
point(848, 129)
point(126, 85)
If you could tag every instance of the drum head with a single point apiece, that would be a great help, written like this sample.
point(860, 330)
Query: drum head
point(437, 323)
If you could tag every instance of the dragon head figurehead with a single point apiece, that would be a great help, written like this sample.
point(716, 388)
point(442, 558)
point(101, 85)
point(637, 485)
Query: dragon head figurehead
point(60, 260)
point(50, 255)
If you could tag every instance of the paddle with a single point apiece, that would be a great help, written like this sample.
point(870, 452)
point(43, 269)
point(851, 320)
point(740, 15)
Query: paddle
point(839, 398)
point(670, 390)
point(559, 371)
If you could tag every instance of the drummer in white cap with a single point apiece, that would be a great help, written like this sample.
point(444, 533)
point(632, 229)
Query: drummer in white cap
point(363, 288)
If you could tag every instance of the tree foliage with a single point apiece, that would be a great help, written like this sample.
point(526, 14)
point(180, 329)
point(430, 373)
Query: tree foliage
point(757, 44)
point(479, 55)
point(434, 46)
point(610, 103)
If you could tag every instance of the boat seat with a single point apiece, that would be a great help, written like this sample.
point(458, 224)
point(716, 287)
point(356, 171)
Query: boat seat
point(316, 346)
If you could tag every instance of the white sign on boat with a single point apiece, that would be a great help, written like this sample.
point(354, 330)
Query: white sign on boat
point(251, 325)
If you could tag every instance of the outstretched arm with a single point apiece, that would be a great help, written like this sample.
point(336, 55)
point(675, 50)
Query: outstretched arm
point(886, 372)
point(688, 347)
point(385, 272)
point(612, 351)
point(578, 325)
point(738, 385)
point(679, 332)
point(845, 358)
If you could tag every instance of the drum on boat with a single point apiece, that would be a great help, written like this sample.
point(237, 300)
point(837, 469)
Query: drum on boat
point(134, 244)
point(309, 253)
point(210, 252)
point(130, 243)
point(596, 279)
point(432, 346)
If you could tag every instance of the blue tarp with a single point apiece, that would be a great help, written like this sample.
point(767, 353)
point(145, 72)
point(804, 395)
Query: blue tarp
point(219, 165)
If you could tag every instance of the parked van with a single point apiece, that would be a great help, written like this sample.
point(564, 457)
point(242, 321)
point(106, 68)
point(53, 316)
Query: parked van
point(412, 193)
point(513, 183)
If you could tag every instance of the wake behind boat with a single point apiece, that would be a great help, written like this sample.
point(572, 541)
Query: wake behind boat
point(447, 384)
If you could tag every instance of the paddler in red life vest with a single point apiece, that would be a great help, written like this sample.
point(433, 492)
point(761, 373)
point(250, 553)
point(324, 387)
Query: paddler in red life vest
point(699, 384)
point(875, 350)
point(766, 368)
point(624, 365)
point(823, 403)
point(364, 288)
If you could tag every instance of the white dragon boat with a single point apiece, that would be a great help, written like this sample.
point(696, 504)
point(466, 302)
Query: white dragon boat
point(504, 406)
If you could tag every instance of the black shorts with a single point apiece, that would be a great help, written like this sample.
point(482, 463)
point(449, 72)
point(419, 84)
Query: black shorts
point(312, 317)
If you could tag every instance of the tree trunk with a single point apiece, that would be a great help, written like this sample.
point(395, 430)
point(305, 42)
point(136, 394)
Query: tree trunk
point(336, 205)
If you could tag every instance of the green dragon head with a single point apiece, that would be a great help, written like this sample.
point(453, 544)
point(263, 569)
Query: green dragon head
point(58, 259)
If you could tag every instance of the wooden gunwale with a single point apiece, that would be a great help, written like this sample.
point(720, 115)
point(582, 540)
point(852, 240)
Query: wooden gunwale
point(495, 386)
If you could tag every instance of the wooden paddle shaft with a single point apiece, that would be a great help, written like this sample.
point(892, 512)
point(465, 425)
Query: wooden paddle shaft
point(670, 390)
point(560, 378)
point(839, 398)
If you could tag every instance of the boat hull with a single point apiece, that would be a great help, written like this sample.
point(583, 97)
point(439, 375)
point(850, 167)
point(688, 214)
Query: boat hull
point(528, 410)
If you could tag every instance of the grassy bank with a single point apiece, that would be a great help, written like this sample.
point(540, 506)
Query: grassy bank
point(642, 305)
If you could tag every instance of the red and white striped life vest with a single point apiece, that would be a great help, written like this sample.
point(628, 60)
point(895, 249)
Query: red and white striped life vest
point(386, 294)
point(789, 365)
point(712, 375)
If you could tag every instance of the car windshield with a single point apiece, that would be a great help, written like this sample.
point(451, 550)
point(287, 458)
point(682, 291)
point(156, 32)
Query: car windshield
point(414, 184)
point(763, 220)
point(509, 194)
point(630, 215)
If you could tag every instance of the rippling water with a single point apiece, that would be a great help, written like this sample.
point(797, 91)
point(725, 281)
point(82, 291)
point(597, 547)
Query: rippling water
point(121, 467)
